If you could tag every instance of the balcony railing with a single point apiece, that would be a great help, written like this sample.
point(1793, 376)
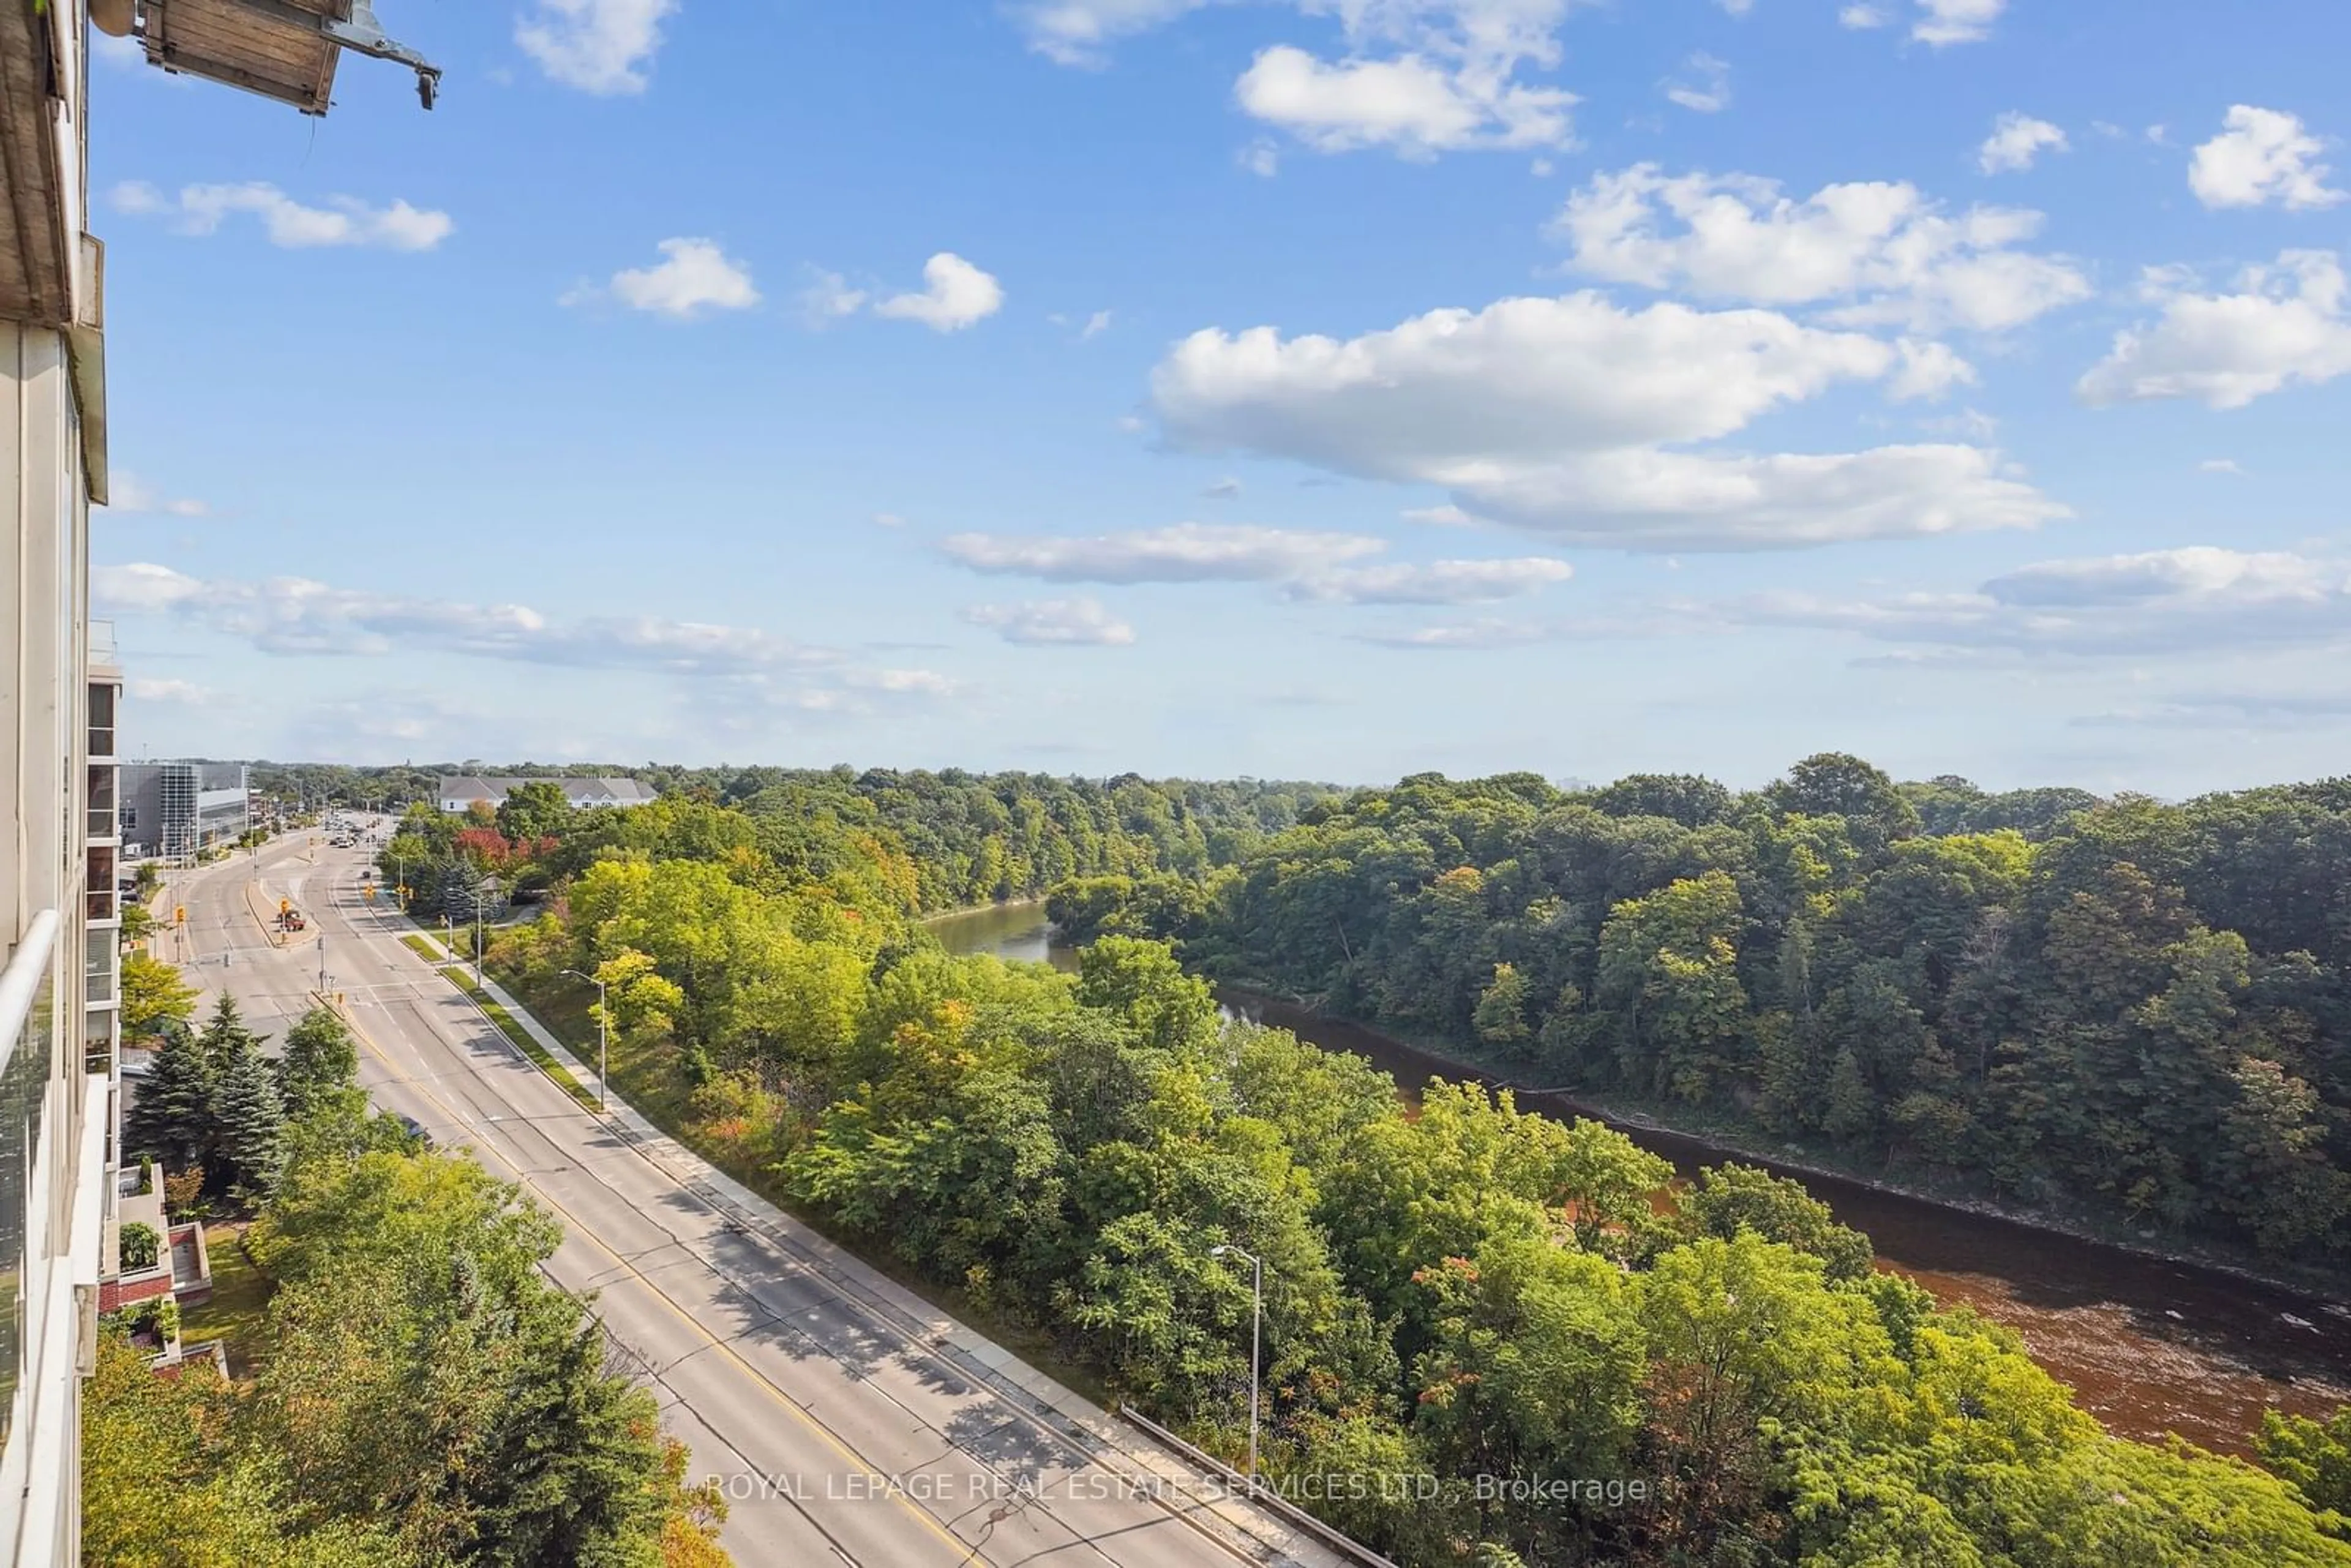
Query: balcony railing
point(28, 965)
point(101, 642)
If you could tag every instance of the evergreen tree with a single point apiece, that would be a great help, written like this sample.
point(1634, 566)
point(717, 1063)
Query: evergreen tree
point(170, 1115)
point(225, 1035)
point(320, 1057)
point(565, 1470)
point(249, 1123)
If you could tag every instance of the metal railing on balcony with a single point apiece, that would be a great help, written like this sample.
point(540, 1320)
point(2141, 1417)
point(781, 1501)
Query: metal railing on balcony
point(28, 965)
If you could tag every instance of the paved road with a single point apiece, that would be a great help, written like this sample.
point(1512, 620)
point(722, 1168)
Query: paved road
point(845, 1434)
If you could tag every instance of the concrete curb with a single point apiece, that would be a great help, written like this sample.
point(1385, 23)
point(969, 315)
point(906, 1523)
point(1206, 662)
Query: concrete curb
point(1077, 1420)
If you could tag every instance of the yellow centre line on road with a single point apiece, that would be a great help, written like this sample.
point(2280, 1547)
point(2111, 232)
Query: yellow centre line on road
point(966, 1552)
point(384, 926)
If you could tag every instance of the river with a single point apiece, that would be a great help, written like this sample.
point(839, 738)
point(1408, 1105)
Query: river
point(2148, 1347)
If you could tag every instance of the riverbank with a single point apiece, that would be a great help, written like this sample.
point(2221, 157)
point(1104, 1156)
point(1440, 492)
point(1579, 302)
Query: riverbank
point(1025, 905)
point(2149, 1344)
point(1720, 1139)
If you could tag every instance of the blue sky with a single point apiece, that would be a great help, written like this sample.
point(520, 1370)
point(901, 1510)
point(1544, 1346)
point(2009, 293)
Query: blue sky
point(1309, 388)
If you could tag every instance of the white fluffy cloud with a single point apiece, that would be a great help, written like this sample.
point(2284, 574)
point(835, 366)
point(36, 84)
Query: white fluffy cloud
point(1435, 583)
point(297, 615)
point(1419, 76)
point(2196, 601)
point(2200, 598)
point(2016, 140)
point(597, 45)
point(1054, 623)
point(343, 221)
point(1704, 88)
point(175, 693)
point(2210, 711)
point(1413, 104)
point(2264, 155)
point(1555, 415)
point(693, 277)
point(1520, 381)
point(1188, 552)
point(1077, 32)
point(129, 493)
point(829, 298)
point(1937, 22)
point(1880, 252)
point(1322, 568)
point(2285, 324)
point(1942, 22)
point(1646, 500)
point(954, 295)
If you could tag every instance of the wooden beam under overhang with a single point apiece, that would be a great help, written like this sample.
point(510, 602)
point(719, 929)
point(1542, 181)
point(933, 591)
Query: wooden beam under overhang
point(36, 254)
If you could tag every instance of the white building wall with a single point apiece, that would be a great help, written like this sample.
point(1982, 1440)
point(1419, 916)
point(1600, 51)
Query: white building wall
point(53, 1114)
point(44, 520)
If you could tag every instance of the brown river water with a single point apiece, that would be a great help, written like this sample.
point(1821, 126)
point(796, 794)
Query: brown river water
point(2148, 1346)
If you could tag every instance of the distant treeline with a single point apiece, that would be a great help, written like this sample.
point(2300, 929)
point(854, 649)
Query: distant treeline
point(1466, 1306)
point(968, 838)
point(2139, 1009)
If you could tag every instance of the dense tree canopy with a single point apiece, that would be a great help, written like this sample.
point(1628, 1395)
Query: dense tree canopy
point(2115, 1007)
point(425, 1397)
point(1460, 1289)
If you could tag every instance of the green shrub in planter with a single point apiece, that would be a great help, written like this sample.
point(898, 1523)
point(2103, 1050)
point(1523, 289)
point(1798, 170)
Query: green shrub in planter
point(140, 1246)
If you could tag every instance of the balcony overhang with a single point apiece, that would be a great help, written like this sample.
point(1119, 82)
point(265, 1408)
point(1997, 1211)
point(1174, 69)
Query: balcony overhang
point(37, 233)
point(282, 49)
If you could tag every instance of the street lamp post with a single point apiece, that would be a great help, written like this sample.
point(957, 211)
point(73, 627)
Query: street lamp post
point(603, 1033)
point(1257, 1325)
point(487, 881)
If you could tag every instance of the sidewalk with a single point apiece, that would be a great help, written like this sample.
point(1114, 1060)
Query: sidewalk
point(1088, 1427)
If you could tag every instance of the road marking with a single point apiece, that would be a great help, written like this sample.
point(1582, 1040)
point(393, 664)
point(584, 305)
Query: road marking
point(968, 1552)
point(383, 925)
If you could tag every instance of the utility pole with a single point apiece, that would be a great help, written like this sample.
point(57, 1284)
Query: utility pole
point(1257, 1322)
point(603, 1035)
point(487, 881)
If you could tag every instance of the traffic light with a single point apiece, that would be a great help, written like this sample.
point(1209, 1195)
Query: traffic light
point(179, 914)
point(284, 904)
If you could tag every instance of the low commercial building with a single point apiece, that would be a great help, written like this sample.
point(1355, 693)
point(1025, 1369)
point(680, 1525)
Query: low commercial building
point(180, 809)
point(463, 794)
